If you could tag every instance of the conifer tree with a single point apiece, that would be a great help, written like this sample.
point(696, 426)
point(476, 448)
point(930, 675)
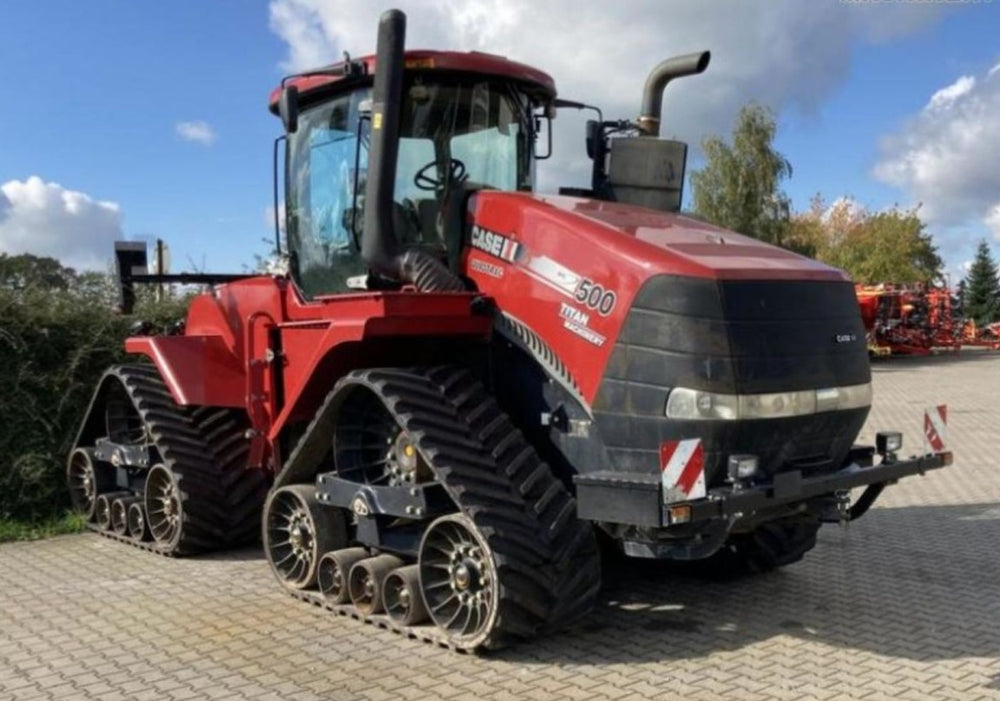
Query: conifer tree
point(982, 293)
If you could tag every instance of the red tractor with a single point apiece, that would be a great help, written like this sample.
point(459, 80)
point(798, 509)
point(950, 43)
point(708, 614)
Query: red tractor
point(462, 387)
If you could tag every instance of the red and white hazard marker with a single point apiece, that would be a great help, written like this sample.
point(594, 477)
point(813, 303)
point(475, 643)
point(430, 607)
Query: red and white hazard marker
point(683, 470)
point(936, 427)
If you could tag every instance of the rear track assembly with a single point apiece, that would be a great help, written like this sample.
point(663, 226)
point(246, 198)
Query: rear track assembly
point(197, 457)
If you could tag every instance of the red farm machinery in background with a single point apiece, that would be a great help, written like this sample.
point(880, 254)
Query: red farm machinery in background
point(918, 319)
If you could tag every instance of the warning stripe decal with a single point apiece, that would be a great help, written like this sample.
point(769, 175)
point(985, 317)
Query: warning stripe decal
point(683, 466)
point(936, 426)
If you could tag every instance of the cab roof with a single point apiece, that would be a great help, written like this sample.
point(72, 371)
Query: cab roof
point(536, 82)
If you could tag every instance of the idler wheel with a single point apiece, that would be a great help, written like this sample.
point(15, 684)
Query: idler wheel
point(164, 512)
point(458, 578)
point(297, 531)
point(86, 480)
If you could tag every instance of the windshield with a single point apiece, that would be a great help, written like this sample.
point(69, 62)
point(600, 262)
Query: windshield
point(454, 135)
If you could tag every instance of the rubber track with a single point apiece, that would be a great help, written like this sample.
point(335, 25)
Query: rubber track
point(547, 560)
point(180, 443)
point(769, 546)
point(243, 489)
point(571, 546)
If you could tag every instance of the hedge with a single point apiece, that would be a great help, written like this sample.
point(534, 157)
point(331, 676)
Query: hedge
point(54, 346)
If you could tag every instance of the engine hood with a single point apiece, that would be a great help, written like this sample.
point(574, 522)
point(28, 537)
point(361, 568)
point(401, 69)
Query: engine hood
point(677, 240)
point(571, 269)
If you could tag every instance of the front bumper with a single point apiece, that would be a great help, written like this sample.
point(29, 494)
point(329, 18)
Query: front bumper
point(637, 499)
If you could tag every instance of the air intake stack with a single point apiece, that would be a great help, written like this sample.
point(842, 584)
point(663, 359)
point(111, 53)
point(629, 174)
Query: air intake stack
point(379, 241)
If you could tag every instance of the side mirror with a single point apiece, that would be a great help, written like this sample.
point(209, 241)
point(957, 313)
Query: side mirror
point(593, 137)
point(288, 108)
point(539, 120)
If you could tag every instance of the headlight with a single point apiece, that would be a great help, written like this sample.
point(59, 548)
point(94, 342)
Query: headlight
point(684, 403)
point(778, 404)
point(850, 397)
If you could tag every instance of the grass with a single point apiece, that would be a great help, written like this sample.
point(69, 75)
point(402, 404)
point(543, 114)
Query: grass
point(11, 530)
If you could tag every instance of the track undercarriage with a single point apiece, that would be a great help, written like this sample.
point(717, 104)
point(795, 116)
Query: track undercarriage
point(428, 513)
point(165, 478)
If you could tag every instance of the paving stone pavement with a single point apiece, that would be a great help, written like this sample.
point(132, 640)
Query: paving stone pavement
point(903, 604)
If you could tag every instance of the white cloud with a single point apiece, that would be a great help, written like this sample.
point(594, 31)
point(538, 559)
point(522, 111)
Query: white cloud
point(945, 157)
point(46, 219)
point(198, 131)
point(945, 97)
point(269, 216)
point(992, 220)
point(849, 206)
point(783, 53)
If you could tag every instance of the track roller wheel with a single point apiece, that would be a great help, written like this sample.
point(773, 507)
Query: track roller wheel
point(137, 521)
point(297, 530)
point(333, 570)
point(119, 513)
point(103, 508)
point(366, 579)
point(458, 578)
point(86, 482)
point(402, 598)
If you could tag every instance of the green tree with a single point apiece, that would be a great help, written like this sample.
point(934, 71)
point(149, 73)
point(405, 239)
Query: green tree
point(739, 187)
point(982, 292)
point(888, 246)
point(25, 270)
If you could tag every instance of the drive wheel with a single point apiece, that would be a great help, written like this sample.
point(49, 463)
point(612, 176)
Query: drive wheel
point(370, 447)
point(458, 578)
point(297, 531)
point(163, 506)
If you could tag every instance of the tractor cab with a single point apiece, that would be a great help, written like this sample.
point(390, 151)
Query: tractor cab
point(466, 122)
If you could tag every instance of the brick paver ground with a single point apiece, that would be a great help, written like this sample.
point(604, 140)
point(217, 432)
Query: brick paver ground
point(903, 604)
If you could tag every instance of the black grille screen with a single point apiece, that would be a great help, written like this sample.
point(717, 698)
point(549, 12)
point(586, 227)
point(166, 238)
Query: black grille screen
point(739, 337)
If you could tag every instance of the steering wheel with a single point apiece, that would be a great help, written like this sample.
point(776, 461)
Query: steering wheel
point(456, 173)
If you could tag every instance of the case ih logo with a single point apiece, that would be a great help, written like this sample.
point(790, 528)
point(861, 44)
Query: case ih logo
point(495, 244)
point(683, 470)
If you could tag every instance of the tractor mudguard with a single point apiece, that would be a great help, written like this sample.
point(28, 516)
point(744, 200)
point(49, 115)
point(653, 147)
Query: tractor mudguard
point(198, 370)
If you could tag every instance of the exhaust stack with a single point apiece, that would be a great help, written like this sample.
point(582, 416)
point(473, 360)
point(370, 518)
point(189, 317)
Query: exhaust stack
point(652, 93)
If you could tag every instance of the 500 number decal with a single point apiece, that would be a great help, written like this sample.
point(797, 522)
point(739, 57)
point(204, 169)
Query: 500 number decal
point(596, 297)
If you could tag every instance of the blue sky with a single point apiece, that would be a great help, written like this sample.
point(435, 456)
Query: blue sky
point(95, 91)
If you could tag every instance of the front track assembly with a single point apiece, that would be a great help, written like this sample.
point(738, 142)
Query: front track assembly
point(165, 478)
point(500, 556)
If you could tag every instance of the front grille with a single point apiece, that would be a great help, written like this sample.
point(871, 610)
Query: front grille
point(737, 337)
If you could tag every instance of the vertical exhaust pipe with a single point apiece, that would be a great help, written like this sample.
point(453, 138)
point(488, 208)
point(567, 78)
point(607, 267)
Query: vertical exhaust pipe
point(379, 241)
point(652, 93)
point(379, 245)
